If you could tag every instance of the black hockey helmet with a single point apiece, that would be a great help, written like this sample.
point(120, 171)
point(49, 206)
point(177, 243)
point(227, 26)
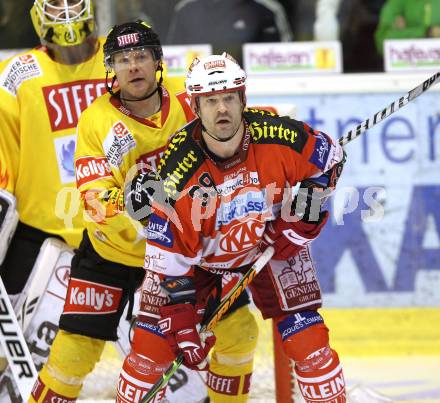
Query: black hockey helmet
point(131, 35)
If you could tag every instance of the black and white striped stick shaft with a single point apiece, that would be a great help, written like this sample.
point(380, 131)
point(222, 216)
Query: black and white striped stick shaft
point(390, 109)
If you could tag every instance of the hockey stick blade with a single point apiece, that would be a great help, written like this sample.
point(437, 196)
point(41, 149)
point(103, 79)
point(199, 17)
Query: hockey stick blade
point(15, 347)
point(213, 319)
point(390, 109)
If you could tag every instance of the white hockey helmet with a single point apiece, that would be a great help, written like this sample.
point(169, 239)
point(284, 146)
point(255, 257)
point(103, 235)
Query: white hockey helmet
point(63, 22)
point(214, 74)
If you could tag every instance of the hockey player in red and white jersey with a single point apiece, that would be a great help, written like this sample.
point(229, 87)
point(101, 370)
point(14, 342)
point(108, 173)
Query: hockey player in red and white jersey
point(224, 193)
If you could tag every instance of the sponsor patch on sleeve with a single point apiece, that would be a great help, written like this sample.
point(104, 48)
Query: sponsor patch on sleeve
point(89, 169)
point(158, 231)
point(321, 152)
point(21, 68)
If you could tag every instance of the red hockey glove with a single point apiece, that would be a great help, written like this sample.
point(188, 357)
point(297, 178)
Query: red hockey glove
point(288, 238)
point(179, 325)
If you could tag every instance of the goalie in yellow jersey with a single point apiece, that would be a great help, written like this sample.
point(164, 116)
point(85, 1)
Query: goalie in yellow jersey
point(121, 134)
point(42, 93)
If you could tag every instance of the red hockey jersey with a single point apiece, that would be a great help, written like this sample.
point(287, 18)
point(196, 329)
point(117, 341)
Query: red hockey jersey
point(217, 211)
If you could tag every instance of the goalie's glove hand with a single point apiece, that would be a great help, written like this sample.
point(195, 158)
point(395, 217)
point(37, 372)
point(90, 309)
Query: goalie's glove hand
point(179, 325)
point(287, 238)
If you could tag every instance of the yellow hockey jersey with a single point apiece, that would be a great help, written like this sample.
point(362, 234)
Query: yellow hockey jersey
point(40, 103)
point(113, 146)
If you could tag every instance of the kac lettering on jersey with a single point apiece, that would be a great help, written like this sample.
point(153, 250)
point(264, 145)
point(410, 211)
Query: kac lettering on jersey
point(89, 169)
point(240, 206)
point(65, 102)
point(87, 297)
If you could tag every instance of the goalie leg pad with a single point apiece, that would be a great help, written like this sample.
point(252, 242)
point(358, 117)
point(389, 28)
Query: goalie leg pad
point(319, 373)
point(231, 364)
point(72, 358)
point(8, 221)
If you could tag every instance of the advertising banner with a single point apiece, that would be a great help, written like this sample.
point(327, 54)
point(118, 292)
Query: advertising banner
point(179, 57)
point(381, 246)
point(412, 54)
point(292, 58)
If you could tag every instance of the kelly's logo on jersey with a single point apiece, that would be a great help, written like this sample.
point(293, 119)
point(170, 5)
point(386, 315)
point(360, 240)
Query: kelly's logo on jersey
point(89, 169)
point(87, 297)
point(65, 102)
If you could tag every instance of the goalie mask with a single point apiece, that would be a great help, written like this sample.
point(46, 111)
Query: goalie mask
point(63, 22)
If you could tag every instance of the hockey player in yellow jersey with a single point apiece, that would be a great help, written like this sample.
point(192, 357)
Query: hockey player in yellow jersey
point(42, 93)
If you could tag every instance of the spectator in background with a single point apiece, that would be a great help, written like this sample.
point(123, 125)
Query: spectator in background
point(302, 14)
point(326, 26)
point(16, 30)
point(157, 13)
point(228, 24)
point(358, 22)
point(401, 19)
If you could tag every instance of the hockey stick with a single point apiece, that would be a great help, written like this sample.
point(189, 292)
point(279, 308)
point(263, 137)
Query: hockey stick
point(213, 319)
point(15, 347)
point(390, 109)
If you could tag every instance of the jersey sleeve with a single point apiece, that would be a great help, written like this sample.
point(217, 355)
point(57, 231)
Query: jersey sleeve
point(9, 130)
point(319, 155)
point(102, 195)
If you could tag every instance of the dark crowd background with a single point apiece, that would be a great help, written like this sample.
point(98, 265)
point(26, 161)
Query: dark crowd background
point(360, 25)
